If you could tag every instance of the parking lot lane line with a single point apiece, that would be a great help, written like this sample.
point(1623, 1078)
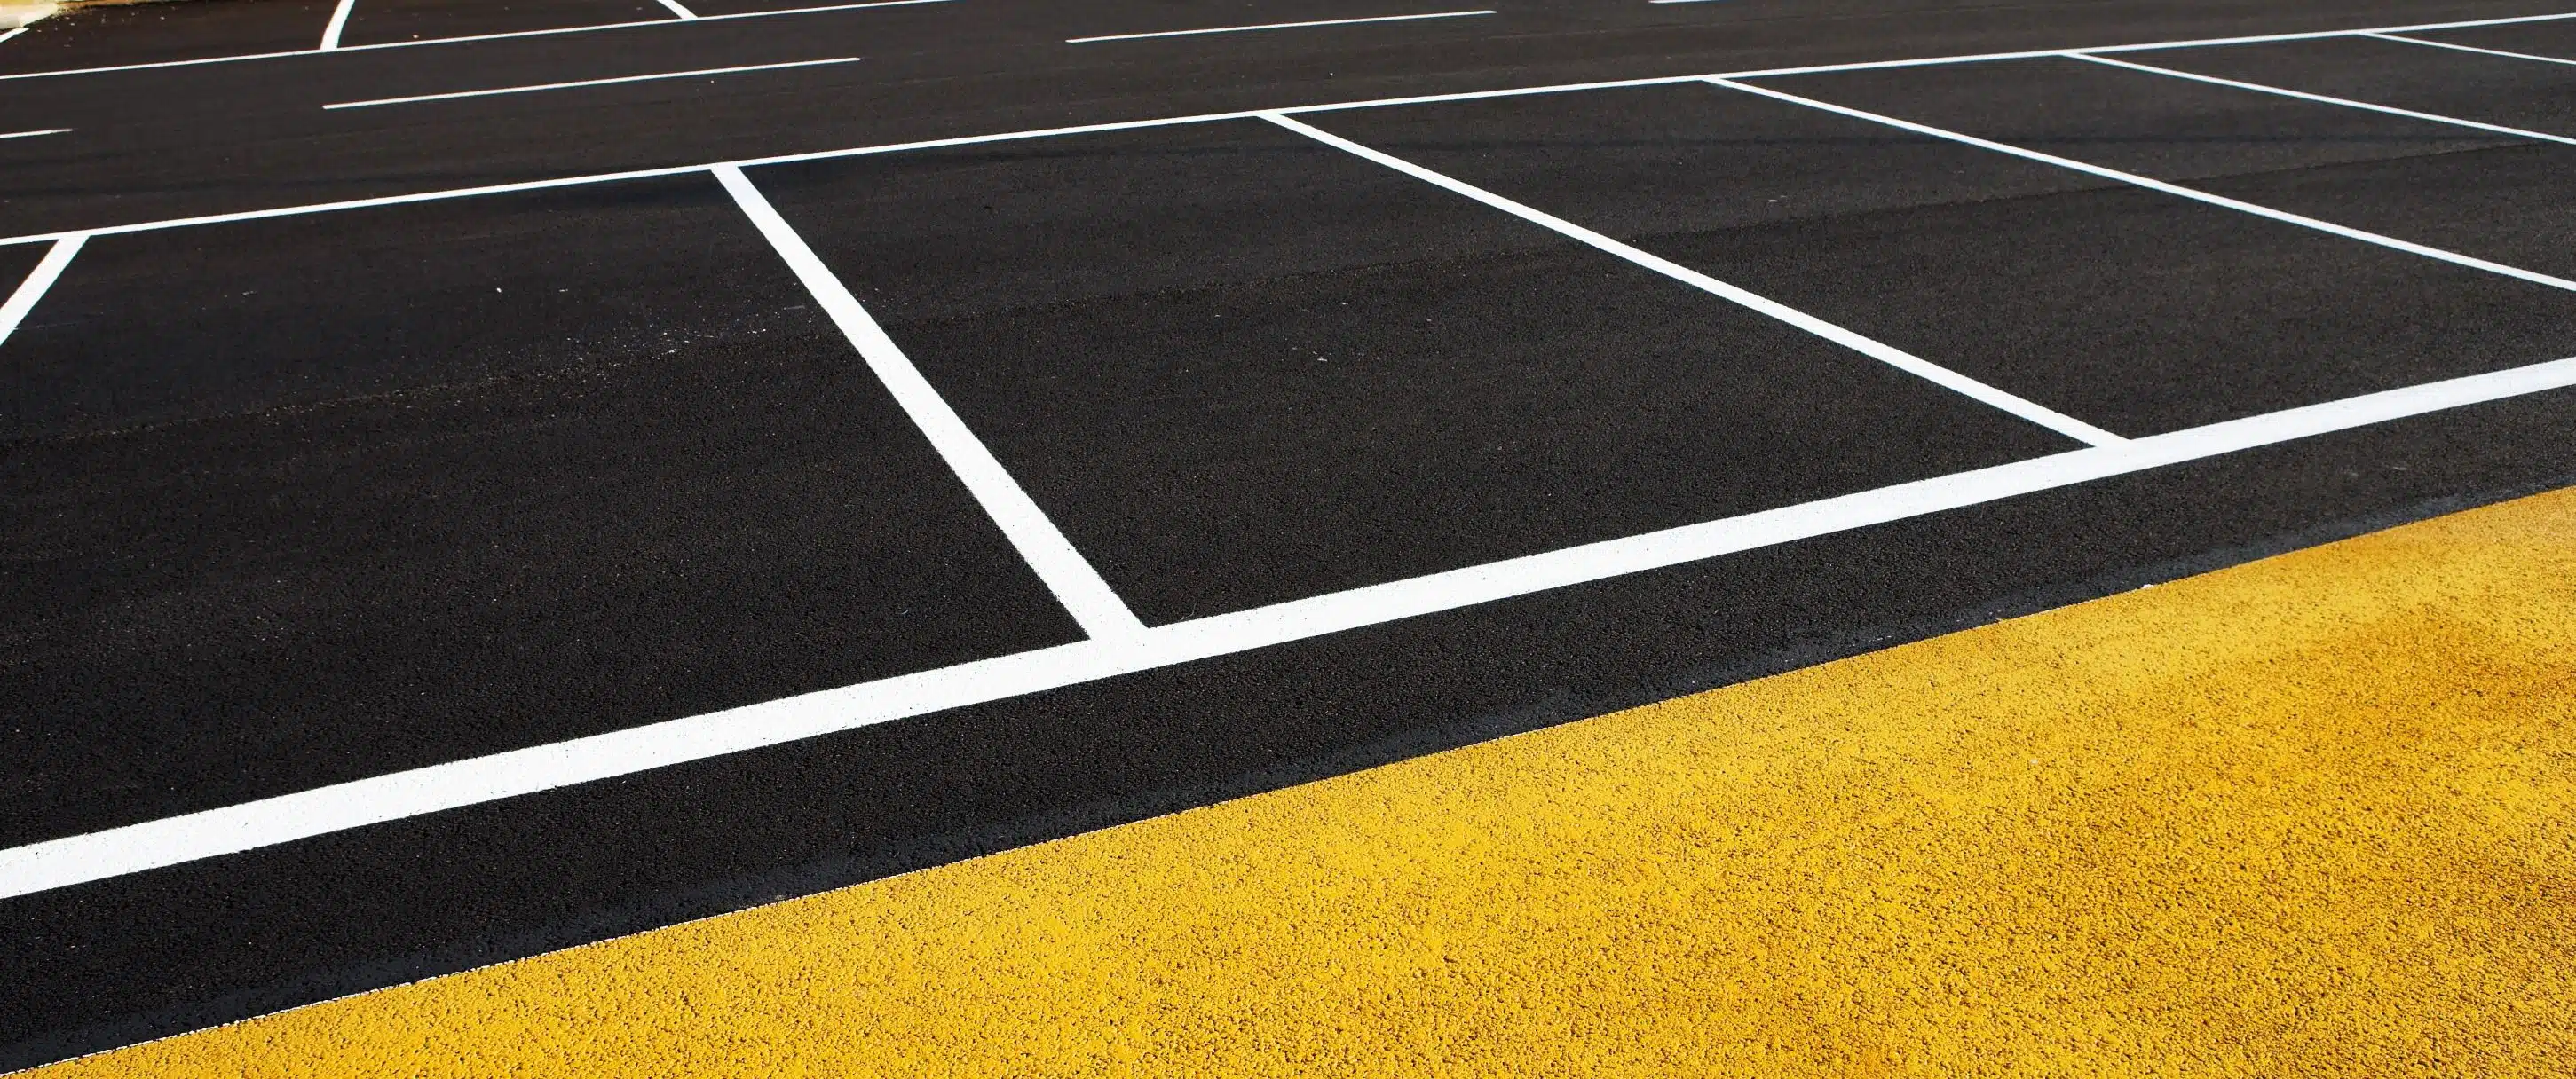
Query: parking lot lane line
point(2303, 95)
point(1874, 349)
point(2157, 185)
point(1035, 133)
point(677, 11)
point(1970, 58)
point(466, 38)
point(33, 134)
point(588, 82)
point(135, 848)
point(1093, 604)
point(22, 300)
point(1275, 26)
point(2466, 48)
point(613, 177)
point(5, 35)
point(339, 22)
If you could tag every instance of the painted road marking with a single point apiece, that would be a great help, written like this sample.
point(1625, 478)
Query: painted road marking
point(2467, 48)
point(331, 30)
point(1093, 604)
point(1273, 26)
point(1126, 125)
point(23, 299)
point(2303, 95)
point(33, 134)
point(517, 33)
point(1870, 347)
point(14, 31)
point(677, 11)
point(264, 822)
point(1957, 59)
point(2136, 832)
point(588, 82)
point(2152, 184)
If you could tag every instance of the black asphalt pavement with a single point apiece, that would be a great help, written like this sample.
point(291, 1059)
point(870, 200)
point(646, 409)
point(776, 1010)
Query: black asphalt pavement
point(308, 498)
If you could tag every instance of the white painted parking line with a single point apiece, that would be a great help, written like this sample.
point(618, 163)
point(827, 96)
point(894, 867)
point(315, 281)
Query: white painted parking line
point(32, 288)
point(1093, 604)
point(169, 841)
point(1872, 348)
point(468, 38)
point(2152, 184)
point(589, 82)
point(1273, 26)
point(14, 31)
point(1117, 125)
point(2322, 99)
point(331, 30)
point(677, 11)
point(2468, 48)
point(33, 134)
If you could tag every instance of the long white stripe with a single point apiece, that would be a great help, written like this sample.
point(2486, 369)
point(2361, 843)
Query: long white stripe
point(33, 134)
point(267, 822)
point(22, 300)
point(613, 177)
point(1272, 26)
point(587, 82)
point(1079, 129)
point(1870, 347)
point(677, 11)
point(339, 21)
point(1079, 587)
point(14, 31)
point(466, 38)
point(2153, 184)
point(2467, 48)
point(2322, 99)
point(1969, 58)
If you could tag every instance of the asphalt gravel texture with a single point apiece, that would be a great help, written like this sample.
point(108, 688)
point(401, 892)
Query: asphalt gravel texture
point(304, 499)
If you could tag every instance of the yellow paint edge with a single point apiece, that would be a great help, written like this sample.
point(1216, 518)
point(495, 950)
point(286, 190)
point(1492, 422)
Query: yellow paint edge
point(2314, 815)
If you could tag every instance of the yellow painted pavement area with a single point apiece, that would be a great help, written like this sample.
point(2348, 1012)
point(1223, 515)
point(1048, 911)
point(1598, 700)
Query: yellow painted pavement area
point(2314, 815)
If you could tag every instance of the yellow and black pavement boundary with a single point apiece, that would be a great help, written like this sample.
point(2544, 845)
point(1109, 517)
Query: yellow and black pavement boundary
point(2314, 814)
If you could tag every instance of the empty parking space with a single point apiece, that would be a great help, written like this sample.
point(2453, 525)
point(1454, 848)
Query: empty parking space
point(2498, 90)
point(2466, 190)
point(464, 501)
point(1241, 367)
point(2556, 39)
point(373, 22)
point(301, 500)
point(2133, 310)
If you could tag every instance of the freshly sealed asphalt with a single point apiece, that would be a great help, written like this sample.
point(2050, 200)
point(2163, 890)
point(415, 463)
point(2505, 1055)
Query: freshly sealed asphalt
point(311, 498)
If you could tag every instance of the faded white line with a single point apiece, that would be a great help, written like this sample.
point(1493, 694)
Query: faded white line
point(678, 11)
point(1093, 604)
point(2322, 99)
point(33, 134)
point(469, 37)
point(153, 844)
point(1117, 125)
point(1867, 346)
point(2152, 184)
point(331, 30)
point(2467, 48)
point(1273, 26)
point(589, 82)
point(32, 288)
point(14, 31)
